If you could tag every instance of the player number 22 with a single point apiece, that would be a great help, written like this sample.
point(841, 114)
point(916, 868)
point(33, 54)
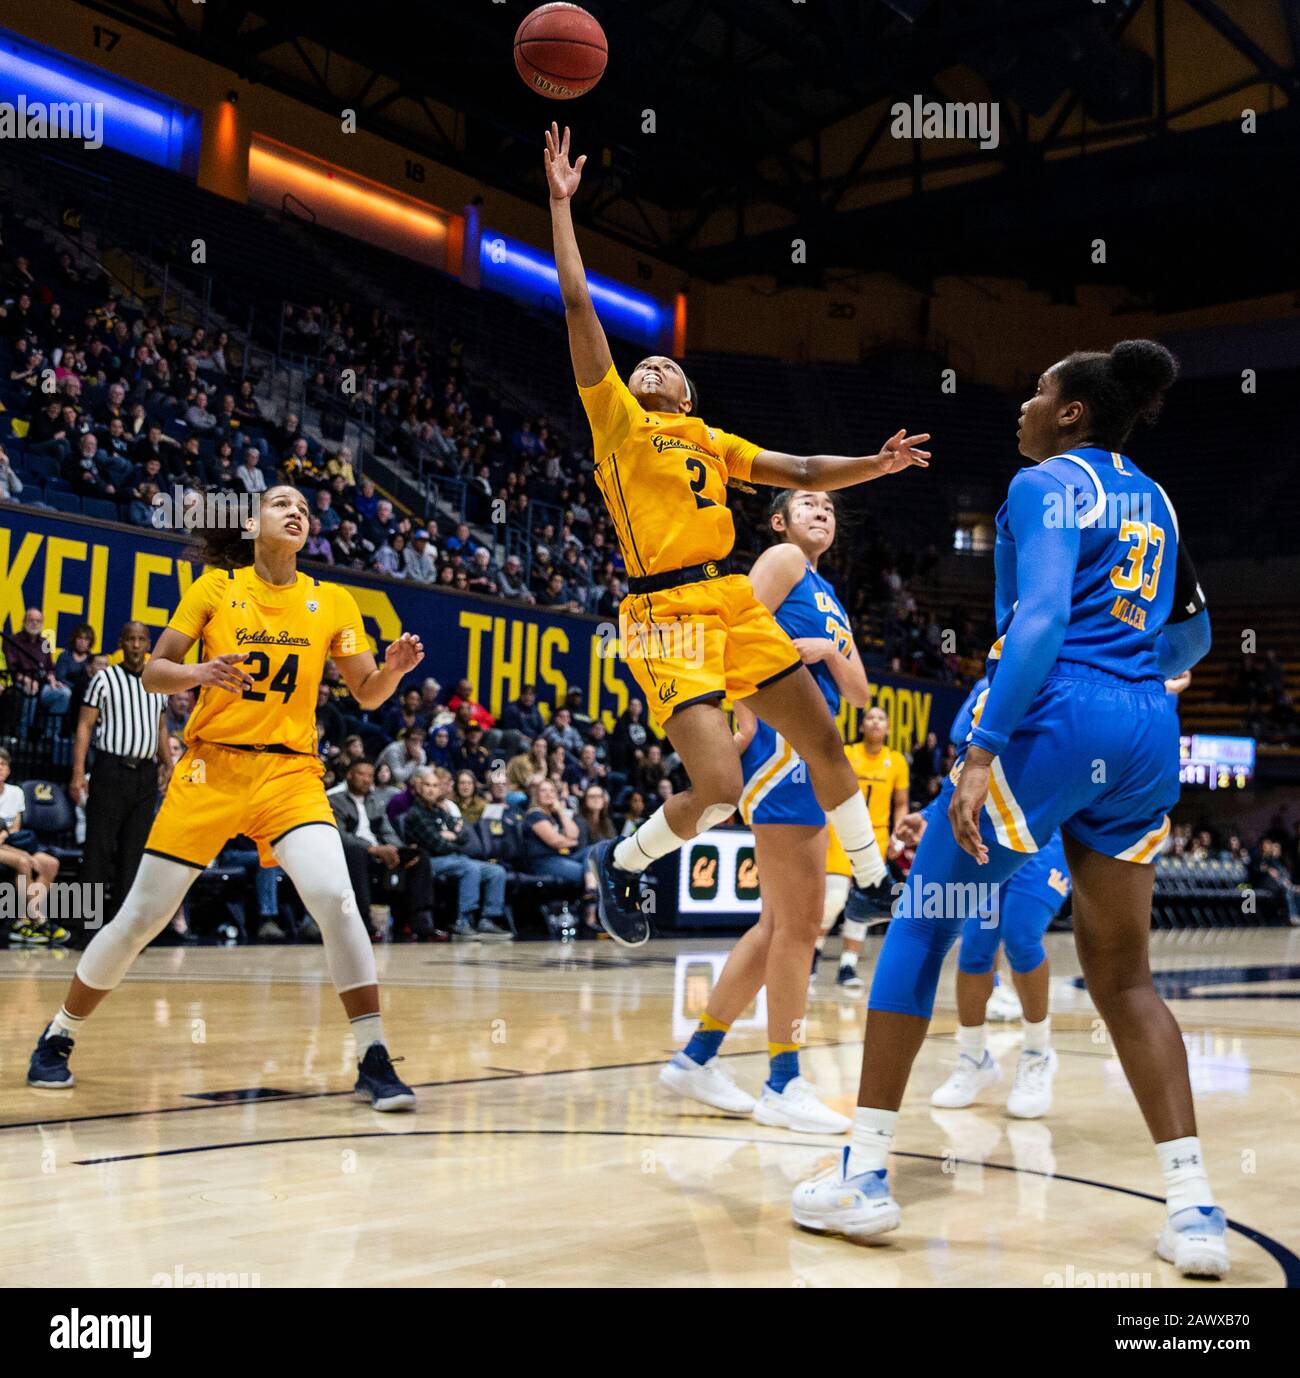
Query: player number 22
point(1131, 575)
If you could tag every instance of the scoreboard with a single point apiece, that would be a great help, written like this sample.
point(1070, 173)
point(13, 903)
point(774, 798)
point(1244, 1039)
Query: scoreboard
point(1216, 762)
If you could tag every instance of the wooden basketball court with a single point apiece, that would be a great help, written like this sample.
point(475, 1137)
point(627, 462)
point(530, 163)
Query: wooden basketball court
point(213, 1130)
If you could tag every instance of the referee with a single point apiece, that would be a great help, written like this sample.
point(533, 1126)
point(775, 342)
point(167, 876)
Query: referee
point(132, 764)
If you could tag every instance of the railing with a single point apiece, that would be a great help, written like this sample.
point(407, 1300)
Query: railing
point(287, 213)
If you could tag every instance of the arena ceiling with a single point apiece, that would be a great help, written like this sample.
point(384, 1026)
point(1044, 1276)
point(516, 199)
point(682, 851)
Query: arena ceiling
point(774, 120)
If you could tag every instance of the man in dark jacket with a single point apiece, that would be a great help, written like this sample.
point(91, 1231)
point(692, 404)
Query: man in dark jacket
point(442, 835)
point(372, 850)
point(523, 715)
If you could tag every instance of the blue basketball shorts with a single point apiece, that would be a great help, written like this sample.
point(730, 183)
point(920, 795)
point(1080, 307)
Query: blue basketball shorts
point(1096, 757)
point(777, 788)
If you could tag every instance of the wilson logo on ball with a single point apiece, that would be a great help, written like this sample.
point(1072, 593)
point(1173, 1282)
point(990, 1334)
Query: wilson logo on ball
point(560, 51)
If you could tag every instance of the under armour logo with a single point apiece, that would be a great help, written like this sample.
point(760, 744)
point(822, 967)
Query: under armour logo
point(239, 603)
point(1193, 1161)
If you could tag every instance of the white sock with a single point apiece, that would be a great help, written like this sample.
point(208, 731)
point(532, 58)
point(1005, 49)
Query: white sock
point(853, 824)
point(653, 839)
point(1038, 1037)
point(1183, 1165)
point(368, 1029)
point(973, 1040)
point(67, 1024)
point(873, 1132)
point(850, 960)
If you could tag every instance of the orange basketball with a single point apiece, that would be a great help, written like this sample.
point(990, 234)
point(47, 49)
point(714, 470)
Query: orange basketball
point(560, 51)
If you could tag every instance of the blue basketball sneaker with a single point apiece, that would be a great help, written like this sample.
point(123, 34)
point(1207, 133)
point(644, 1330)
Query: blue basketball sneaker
point(378, 1083)
point(872, 904)
point(48, 1068)
point(1195, 1241)
point(618, 898)
point(856, 1207)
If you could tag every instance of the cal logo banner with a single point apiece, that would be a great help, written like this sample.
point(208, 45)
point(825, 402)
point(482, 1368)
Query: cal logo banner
point(78, 570)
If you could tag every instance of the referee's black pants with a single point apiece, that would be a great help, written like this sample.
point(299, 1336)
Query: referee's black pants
point(119, 814)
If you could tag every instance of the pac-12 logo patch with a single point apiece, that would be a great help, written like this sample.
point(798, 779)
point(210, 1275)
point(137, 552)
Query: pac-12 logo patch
point(312, 605)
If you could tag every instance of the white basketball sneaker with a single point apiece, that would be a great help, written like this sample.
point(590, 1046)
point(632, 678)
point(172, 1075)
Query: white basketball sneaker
point(1031, 1092)
point(1195, 1241)
point(706, 1083)
point(799, 1107)
point(1003, 1006)
point(856, 1207)
point(965, 1082)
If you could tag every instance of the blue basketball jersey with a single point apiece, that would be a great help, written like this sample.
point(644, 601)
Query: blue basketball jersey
point(1127, 568)
point(812, 609)
point(777, 788)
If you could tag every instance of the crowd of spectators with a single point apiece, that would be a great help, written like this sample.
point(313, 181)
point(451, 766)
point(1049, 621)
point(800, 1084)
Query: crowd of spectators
point(1272, 862)
point(143, 406)
point(1270, 711)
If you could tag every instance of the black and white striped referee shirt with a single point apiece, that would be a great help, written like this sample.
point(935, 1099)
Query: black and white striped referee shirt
point(128, 714)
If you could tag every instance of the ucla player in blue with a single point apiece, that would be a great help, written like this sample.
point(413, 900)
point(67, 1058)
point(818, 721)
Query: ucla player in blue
point(1097, 605)
point(790, 839)
point(1016, 921)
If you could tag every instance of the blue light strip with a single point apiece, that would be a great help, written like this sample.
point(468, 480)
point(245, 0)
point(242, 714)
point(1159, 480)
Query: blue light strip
point(517, 270)
point(134, 120)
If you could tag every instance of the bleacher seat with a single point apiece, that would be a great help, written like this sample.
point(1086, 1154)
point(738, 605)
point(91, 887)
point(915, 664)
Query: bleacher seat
point(62, 501)
point(48, 811)
point(100, 508)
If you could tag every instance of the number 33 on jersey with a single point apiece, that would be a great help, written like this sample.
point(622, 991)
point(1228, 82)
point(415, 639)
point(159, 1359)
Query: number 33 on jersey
point(286, 632)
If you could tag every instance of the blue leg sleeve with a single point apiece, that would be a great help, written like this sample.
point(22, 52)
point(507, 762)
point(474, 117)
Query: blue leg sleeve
point(944, 889)
point(1024, 921)
point(980, 937)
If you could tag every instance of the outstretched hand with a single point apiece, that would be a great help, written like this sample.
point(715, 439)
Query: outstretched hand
point(561, 175)
point(404, 654)
point(899, 452)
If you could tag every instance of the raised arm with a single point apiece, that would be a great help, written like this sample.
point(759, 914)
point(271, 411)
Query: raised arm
point(824, 473)
point(587, 343)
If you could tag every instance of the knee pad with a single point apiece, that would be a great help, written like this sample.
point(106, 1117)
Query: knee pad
point(979, 946)
point(837, 891)
point(855, 930)
point(712, 816)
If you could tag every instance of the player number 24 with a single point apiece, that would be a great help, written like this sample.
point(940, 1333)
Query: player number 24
point(258, 664)
point(1132, 574)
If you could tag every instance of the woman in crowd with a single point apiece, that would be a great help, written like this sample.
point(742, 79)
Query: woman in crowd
point(468, 800)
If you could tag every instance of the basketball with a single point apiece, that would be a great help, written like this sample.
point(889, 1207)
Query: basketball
point(560, 51)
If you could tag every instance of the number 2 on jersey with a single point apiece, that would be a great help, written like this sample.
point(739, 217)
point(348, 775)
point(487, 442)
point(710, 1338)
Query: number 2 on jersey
point(696, 467)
